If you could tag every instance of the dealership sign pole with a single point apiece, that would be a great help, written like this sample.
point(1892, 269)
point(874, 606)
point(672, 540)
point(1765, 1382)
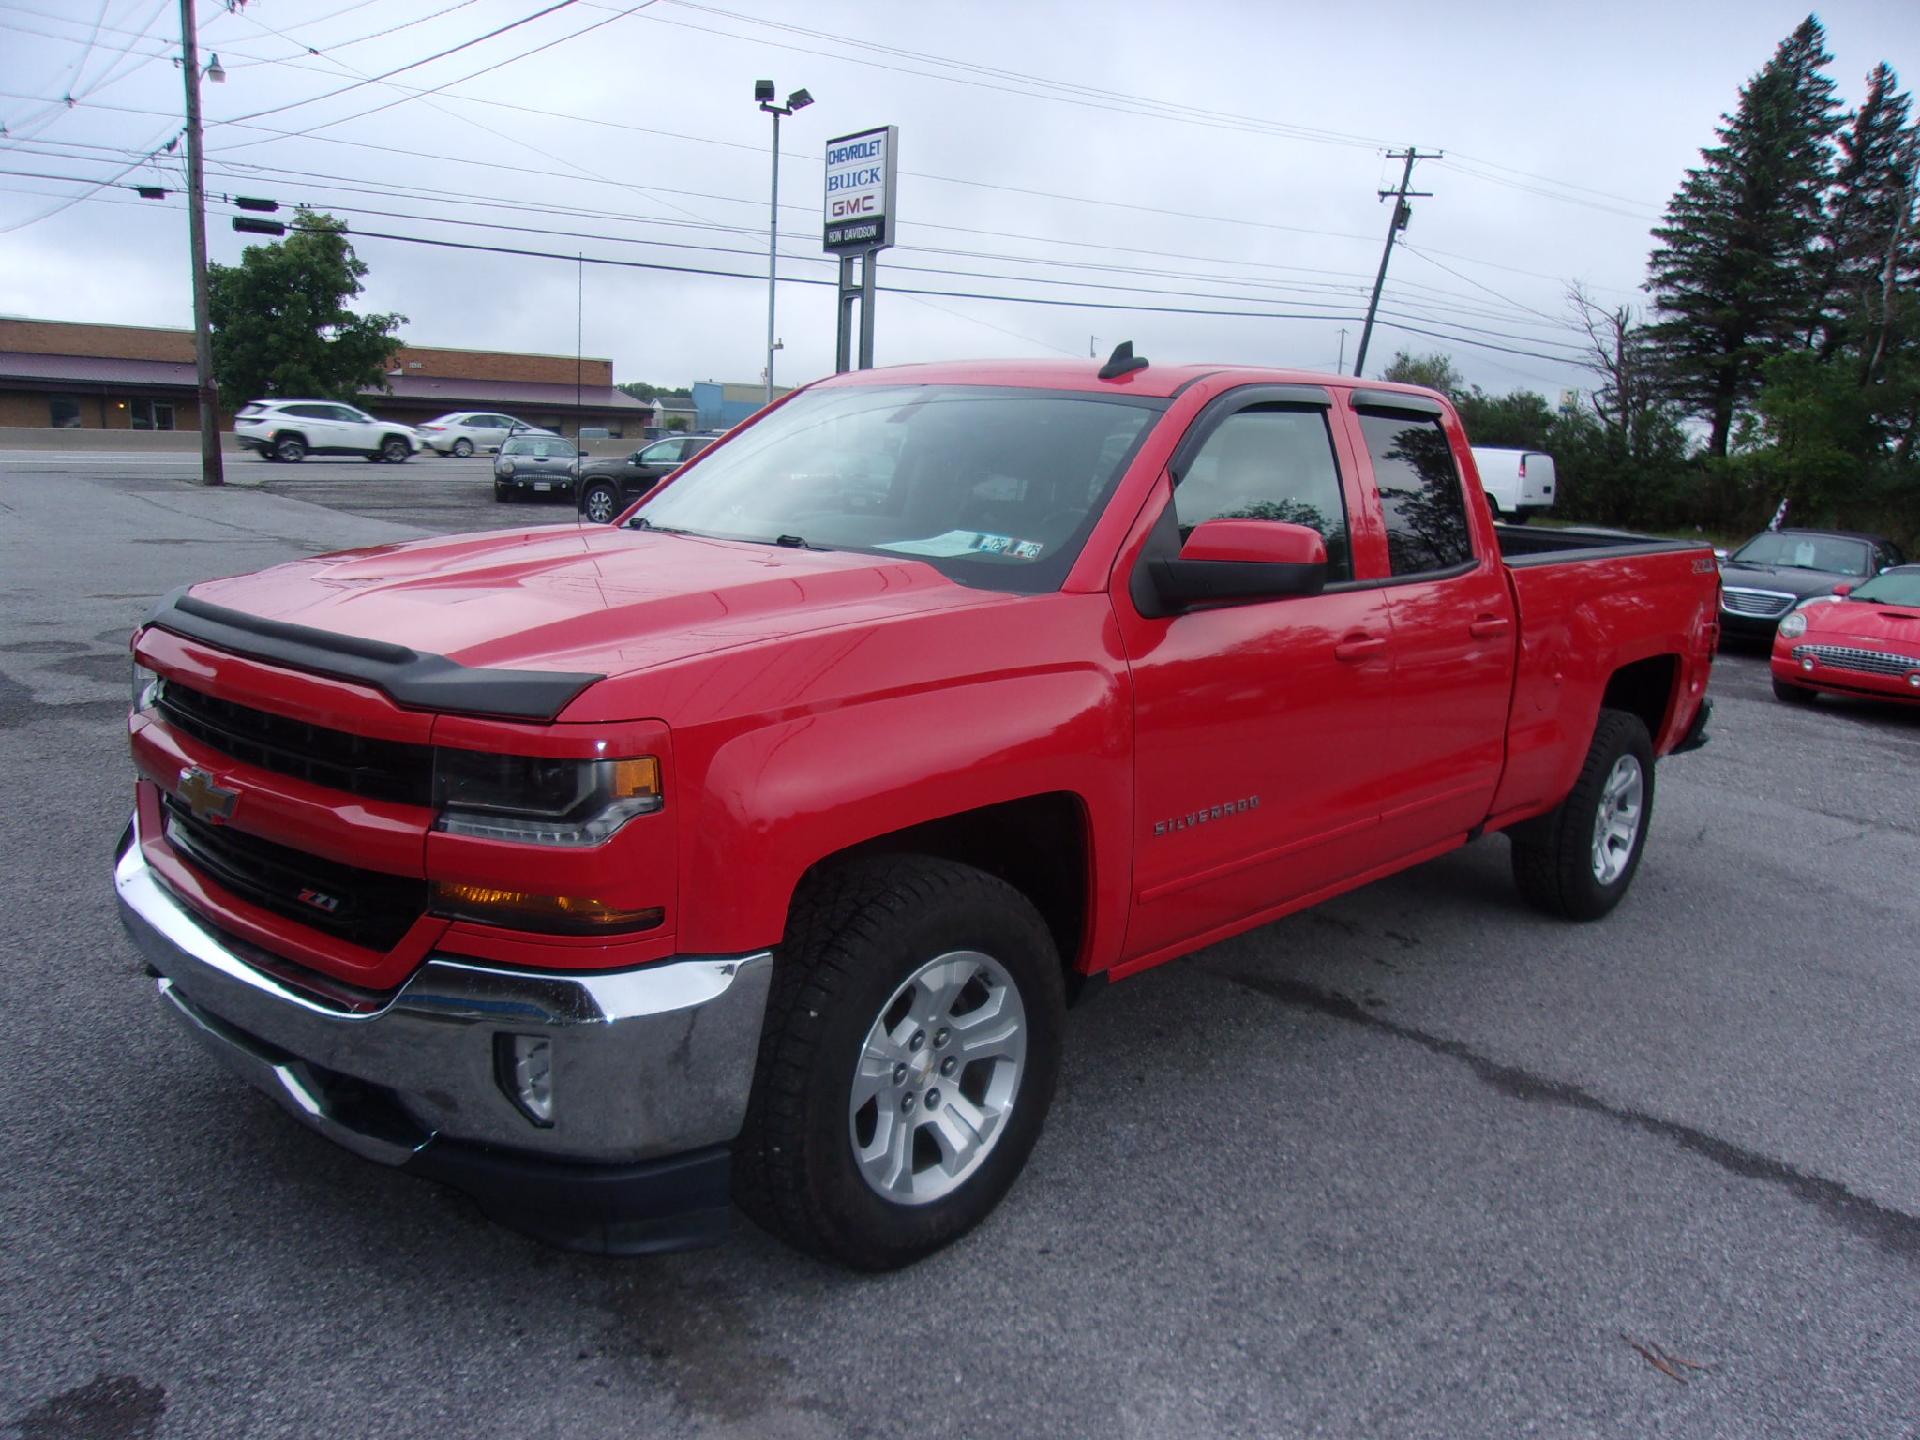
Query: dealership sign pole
point(860, 221)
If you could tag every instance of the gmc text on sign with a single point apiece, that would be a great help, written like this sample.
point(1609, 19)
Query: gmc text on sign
point(859, 210)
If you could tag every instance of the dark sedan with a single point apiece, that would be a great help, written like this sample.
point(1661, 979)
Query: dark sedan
point(533, 465)
point(608, 486)
point(1777, 569)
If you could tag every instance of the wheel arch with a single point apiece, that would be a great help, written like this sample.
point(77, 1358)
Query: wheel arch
point(1646, 689)
point(1039, 844)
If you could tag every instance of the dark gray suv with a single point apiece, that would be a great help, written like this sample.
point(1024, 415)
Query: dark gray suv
point(608, 486)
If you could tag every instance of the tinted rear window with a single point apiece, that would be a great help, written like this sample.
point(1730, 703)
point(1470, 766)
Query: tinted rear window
point(1420, 497)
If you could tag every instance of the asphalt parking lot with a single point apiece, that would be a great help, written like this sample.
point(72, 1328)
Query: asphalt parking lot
point(1417, 1163)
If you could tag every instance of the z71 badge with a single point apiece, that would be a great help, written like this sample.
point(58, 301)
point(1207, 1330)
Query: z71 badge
point(1205, 814)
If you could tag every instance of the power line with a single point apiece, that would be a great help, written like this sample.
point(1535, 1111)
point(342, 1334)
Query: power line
point(341, 183)
point(410, 65)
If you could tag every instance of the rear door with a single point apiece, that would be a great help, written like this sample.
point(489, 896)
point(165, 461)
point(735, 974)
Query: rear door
point(1262, 730)
point(487, 431)
point(1454, 627)
point(318, 425)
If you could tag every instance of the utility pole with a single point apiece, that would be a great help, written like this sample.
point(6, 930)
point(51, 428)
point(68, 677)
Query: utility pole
point(210, 468)
point(1402, 212)
point(1340, 365)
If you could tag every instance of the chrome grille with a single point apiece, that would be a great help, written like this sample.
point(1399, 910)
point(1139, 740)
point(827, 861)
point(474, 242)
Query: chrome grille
point(1766, 604)
point(1870, 662)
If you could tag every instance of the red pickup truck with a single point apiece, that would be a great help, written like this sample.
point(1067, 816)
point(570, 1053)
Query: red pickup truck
point(750, 848)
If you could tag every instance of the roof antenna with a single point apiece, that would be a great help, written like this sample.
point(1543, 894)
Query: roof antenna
point(1122, 362)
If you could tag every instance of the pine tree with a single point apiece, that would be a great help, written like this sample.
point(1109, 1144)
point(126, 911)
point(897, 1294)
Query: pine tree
point(1869, 223)
point(1730, 277)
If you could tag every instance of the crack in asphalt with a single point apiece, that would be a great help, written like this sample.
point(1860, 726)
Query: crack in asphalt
point(1892, 1230)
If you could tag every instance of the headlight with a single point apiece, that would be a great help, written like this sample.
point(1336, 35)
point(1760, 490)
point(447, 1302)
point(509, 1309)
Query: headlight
point(503, 467)
point(147, 685)
point(1794, 626)
point(534, 800)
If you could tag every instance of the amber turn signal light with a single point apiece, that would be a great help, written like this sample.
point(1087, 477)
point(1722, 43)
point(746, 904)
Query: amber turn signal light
point(552, 914)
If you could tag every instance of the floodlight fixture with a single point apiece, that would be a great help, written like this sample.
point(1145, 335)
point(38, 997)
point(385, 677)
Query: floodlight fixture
point(763, 90)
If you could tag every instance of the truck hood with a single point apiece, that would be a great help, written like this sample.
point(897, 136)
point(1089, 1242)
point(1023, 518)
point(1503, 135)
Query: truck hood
point(585, 598)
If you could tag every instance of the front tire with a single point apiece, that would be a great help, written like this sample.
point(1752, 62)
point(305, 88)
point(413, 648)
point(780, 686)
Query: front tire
point(394, 450)
point(1790, 693)
point(601, 503)
point(502, 494)
point(909, 1054)
point(1577, 860)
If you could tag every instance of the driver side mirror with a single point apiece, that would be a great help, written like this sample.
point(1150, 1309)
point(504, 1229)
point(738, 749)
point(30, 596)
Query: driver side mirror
point(1843, 589)
point(1224, 561)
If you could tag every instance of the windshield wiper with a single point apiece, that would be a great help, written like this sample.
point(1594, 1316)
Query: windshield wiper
point(640, 522)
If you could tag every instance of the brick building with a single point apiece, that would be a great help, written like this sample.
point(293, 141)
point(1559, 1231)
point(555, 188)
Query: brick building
point(128, 377)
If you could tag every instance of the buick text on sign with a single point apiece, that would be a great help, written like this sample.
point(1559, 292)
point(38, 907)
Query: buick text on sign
point(860, 184)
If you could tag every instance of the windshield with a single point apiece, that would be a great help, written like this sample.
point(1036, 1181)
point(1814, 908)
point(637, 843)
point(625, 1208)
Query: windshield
point(539, 449)
point(1899, 586)
point(1787, 551)
point(994, 487)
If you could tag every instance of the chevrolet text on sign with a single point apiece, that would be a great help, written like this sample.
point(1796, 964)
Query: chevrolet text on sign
point(859, 199)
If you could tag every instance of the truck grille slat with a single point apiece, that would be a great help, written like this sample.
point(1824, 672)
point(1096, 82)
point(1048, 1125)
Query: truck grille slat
point(365, 907)
point(1868, 662)
point(373, 769)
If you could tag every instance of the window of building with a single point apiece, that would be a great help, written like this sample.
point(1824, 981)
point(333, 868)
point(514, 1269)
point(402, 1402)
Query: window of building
point(65, 412)
point(1269, 463)
point(151, 414)
point(1420, 497)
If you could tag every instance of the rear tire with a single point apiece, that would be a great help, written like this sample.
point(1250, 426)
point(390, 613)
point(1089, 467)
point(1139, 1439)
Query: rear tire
point(601, 503)
point(462, 448)
point(289, 448)
point(909, 1053)
point(1792, 694)
point(1577, 860)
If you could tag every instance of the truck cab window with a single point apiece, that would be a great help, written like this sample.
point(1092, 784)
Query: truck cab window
point(1269, 463)
point(1420, 496)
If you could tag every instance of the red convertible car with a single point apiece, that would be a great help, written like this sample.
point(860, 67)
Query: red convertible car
point(1862, 640)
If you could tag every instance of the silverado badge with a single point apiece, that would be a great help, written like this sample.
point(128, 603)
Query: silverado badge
point(207, 799)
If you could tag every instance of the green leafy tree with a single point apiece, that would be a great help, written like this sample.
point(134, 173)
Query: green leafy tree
point(640, 390)
point(1730, 277)
point(280, 321)
point(1436, 372)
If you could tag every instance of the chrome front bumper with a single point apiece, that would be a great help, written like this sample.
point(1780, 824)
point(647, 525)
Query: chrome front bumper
point(645, 1063)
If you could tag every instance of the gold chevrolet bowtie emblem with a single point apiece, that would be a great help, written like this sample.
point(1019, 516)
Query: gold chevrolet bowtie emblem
point(206, 799)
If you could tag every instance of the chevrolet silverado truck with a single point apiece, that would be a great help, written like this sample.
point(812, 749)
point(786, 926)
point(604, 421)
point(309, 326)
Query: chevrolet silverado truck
point(748, 850)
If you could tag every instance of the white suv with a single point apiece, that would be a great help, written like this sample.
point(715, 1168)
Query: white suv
point(294, 429)
point(466, 431)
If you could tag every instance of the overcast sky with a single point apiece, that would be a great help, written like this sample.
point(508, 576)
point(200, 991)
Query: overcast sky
point(1224, 155)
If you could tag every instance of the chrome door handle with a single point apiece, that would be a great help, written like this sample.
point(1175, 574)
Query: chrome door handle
point(1359, 648)
point(1489, 625)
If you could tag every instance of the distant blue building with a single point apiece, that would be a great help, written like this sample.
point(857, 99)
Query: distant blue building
point(721, 405)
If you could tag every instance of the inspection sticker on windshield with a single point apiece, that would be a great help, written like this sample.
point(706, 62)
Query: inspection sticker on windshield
point(968, 542)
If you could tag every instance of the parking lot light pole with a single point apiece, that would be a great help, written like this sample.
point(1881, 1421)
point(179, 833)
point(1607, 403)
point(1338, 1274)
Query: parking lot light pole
point(798, 100)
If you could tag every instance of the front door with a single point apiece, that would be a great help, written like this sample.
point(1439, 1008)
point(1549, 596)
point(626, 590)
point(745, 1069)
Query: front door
point(1261, 729)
